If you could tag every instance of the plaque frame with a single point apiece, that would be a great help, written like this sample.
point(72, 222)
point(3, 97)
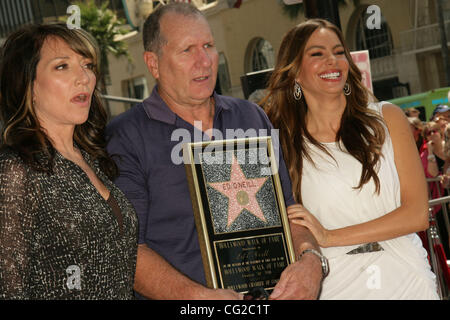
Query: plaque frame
point(208, 238)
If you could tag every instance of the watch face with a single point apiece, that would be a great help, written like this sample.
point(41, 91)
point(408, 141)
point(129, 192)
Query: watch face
point(325, 267)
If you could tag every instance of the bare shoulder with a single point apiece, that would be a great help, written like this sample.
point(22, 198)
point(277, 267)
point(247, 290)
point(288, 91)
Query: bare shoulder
point(401, 135)
point(395, 118)
point(391, 112)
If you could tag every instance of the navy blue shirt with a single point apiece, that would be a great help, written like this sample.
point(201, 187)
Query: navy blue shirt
point(153, 176)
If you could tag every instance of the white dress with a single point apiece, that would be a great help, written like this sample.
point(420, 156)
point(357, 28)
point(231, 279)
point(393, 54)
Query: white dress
point(401, 270)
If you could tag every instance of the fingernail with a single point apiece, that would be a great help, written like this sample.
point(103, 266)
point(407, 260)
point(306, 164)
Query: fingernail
point(275, 293)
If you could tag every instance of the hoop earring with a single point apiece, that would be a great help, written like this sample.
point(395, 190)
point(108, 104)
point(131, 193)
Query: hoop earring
point(347, 89)
point(297, 91)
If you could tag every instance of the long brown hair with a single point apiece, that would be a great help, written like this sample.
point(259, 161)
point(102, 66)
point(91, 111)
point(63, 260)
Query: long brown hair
point(21, 130)
point(361, 129)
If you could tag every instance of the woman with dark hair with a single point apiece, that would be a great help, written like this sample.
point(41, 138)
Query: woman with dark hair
point(350, 162)
point(66, 231)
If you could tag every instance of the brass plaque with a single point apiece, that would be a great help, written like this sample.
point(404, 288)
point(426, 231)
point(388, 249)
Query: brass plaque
point(239, 212)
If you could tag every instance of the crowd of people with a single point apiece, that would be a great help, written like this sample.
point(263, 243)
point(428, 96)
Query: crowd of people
point(433, 144)
point(90, 210)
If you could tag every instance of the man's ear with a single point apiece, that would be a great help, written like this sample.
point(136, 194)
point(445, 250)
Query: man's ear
point(151, 60)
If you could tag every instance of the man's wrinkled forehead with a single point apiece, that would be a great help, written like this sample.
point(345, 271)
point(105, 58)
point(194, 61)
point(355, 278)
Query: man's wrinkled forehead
point(172, 22)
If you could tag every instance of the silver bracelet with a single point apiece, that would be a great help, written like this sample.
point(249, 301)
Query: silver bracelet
point(323, 260)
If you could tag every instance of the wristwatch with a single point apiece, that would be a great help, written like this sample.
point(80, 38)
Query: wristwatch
point(323, 260)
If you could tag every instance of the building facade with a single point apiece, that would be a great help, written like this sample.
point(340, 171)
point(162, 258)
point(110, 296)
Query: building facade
point(405, 50)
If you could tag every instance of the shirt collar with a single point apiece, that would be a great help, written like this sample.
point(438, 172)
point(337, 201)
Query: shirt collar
point(156, 108)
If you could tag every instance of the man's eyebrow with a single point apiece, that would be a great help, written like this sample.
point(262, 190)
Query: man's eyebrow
point(322, 47)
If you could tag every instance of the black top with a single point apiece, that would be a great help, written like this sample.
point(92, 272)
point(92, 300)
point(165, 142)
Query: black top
point(440, 164)
point(59, 239)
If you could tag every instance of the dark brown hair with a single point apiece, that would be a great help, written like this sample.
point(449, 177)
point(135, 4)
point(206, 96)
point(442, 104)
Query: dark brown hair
point(361, 130)
point(21, 130)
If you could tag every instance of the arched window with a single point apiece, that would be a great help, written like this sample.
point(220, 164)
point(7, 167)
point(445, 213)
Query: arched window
point(259, 55)
point(223, 76)
point(377, 41)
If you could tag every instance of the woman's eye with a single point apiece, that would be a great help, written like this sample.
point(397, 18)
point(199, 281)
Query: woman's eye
point(340, 52)
point(316, 54)
point(89, 66)
point(61, 66)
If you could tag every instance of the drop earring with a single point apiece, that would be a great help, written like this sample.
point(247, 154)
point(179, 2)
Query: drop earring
point(347, 89)
point(297, 91)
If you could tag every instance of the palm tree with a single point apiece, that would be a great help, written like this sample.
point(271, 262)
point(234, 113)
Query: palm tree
point(104, 25)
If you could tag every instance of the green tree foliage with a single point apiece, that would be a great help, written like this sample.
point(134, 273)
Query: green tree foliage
point(104, 25)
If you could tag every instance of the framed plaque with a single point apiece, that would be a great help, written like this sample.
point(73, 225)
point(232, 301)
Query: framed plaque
point(239, 212)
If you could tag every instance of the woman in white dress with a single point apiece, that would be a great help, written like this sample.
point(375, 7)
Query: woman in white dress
point(355, 170)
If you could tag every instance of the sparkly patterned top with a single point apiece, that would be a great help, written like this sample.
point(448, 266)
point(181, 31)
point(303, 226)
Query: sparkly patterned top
point(59, 239)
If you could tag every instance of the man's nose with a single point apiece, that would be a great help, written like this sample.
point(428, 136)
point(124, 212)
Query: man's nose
point(203, 57)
